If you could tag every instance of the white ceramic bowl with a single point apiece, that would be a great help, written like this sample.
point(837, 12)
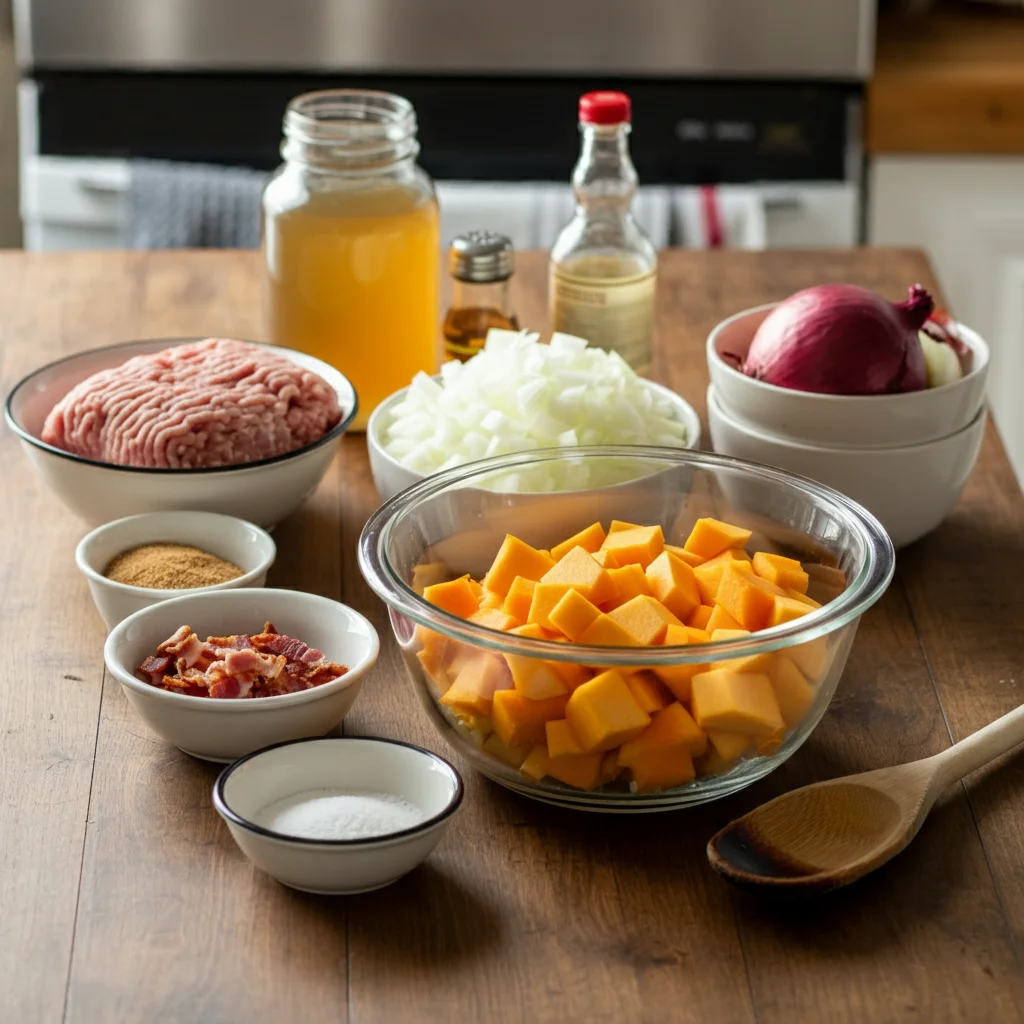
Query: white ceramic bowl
point(221, 730)
point(234, 540)
point(849, 421)
point(391, 476)
point(263, 492)
point(351, 764)
point(909, 489)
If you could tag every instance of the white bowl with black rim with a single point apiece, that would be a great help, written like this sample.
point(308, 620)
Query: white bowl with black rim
point(338, 765)
point(264, 491)
point(223, 729)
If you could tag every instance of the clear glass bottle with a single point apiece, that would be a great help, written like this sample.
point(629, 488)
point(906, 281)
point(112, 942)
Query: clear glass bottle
point(481, 264)
point(603, 266)
point(351, 240)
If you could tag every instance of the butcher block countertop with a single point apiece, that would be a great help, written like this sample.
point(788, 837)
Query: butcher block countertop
point(124, 899)
point(951, 81)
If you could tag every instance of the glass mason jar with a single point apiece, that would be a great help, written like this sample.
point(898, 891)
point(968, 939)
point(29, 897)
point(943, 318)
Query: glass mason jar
point(351, 243)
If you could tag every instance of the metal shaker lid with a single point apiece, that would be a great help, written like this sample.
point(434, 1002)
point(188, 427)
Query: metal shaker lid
point(481, 257)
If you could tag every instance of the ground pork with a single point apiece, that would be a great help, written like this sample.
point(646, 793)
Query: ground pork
point(208, 403)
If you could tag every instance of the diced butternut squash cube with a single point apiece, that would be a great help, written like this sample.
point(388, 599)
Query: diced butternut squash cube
point(604, 631)
point(677, 677)
point(747, 598)
point(729, 634)
point(688, 557)
point(786, 609)
point(580, 770)
point(535, 678)
point(573, 614)
point(436, 649)
point(516, 558)
point(710, 537)
point(561, 739)
point(571, 673)
point(645, 619)
point(530, 630)
point(673, 583)
point(536, 764)
point(519, 721)
point(753, 663)
point(493, 618)
point(792, 690)
point(518, 598)
point(812, 657)
point(545, 597)
point(673, 726)
point(797, 596)
point(729, 745)
point(618, 525)
point(514, 756)
point(736, 702)
point(639, 546)
point(783, 572)
point(427, 574)
point(589, 539)
point(709, 573)
point(604, 713)
point(650, 693)
point(610, 767)
point(459, 597)
point(605, 558)
point(721, 619)
point(489, 599)
point(664, 768)
point(578, 569)
point(699, 616)
point(474, 687)
point(630, 581)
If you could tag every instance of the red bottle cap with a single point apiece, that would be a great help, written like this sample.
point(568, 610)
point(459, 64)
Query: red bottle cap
point(604, 108)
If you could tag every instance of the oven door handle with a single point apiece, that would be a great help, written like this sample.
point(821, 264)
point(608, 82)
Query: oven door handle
point(103, 186)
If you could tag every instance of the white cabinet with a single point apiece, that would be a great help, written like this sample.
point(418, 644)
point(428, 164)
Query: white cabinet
point(968, 214)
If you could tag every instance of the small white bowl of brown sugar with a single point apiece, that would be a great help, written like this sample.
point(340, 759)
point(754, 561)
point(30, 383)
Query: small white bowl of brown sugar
point(141, 560)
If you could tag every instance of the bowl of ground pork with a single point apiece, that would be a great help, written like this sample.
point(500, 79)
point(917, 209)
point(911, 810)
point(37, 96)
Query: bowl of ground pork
point(212, 425)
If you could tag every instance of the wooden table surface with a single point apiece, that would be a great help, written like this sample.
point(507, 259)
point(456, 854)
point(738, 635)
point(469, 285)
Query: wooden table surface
point(123, 898)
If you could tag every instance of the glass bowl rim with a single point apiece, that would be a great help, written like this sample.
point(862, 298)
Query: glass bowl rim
point(862, 592)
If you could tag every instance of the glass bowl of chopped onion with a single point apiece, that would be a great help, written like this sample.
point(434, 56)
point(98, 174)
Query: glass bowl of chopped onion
point(659, 642)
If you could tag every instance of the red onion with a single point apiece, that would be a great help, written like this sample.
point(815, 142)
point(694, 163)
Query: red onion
point(838, 339)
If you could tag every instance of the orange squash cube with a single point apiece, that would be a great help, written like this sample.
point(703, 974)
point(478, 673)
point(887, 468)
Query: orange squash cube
point(639, 546)
point(729, 745)
point(629, 581)
point(519, 721)
point(673, 583)
point(673, 726)
point(561, 739)
point(435, 651)
point(605, 558)
point(677, 677)
point(427, 574)
point(580, 770)
point(571, 673)
point(589, 539)
point(794, 694)
point(604, 713)
point(736, 702)
point(493, 618)
point(729, 634)
point(783, 572)
point(700, 615)
point(578, 570)
point(489, 599)
point(747, 598)
point(709, 573)
point(650, 693)
point(710, 537)
point(645, 619)
point(812, 657)
point(573, 614)
point(786, 609)
point(536, 764)
point(610, 768)
point(516, 558)
point(545, 597)
point(797, 596)
point(721, 619)
point(514, 756)
point(604, 631)
point(517, 600)
point(474, 687)
point(655, 770)
point(688, 557)
point(618, 525)
point(535, 678)
point(456, 596)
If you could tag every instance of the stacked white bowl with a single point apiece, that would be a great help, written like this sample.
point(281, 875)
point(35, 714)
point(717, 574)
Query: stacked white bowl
point(905, 457)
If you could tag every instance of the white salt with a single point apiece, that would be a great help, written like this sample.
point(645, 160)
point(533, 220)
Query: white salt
point(339, 814)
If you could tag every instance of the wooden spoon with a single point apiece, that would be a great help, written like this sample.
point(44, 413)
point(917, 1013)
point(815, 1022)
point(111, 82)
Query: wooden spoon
point(829, 834)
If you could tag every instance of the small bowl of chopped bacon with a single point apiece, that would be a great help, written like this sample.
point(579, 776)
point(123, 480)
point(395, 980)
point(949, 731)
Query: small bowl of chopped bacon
point(223, 673)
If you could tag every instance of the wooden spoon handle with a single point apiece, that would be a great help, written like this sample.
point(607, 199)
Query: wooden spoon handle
point(981, 747)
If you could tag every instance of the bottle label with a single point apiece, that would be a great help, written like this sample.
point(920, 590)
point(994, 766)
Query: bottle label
point(610, 313)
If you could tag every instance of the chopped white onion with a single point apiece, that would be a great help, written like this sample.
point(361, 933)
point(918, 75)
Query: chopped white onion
point(519, 395)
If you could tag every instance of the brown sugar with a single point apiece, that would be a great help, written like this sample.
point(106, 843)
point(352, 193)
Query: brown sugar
point(167, 566)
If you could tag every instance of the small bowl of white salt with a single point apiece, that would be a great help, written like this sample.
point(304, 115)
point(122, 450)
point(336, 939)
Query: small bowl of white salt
point(338, 815)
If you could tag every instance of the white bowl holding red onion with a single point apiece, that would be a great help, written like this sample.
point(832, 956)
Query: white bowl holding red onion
point(846, 421)
point(910, 489)
point(224, 729)
point(264, 492)
point(353, 765)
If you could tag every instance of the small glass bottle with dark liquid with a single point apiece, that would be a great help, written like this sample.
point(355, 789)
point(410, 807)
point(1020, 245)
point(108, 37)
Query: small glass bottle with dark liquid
point(481, 264)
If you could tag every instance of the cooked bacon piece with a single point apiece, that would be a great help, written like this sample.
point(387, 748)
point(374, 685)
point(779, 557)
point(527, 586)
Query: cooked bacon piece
point(236, 667)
